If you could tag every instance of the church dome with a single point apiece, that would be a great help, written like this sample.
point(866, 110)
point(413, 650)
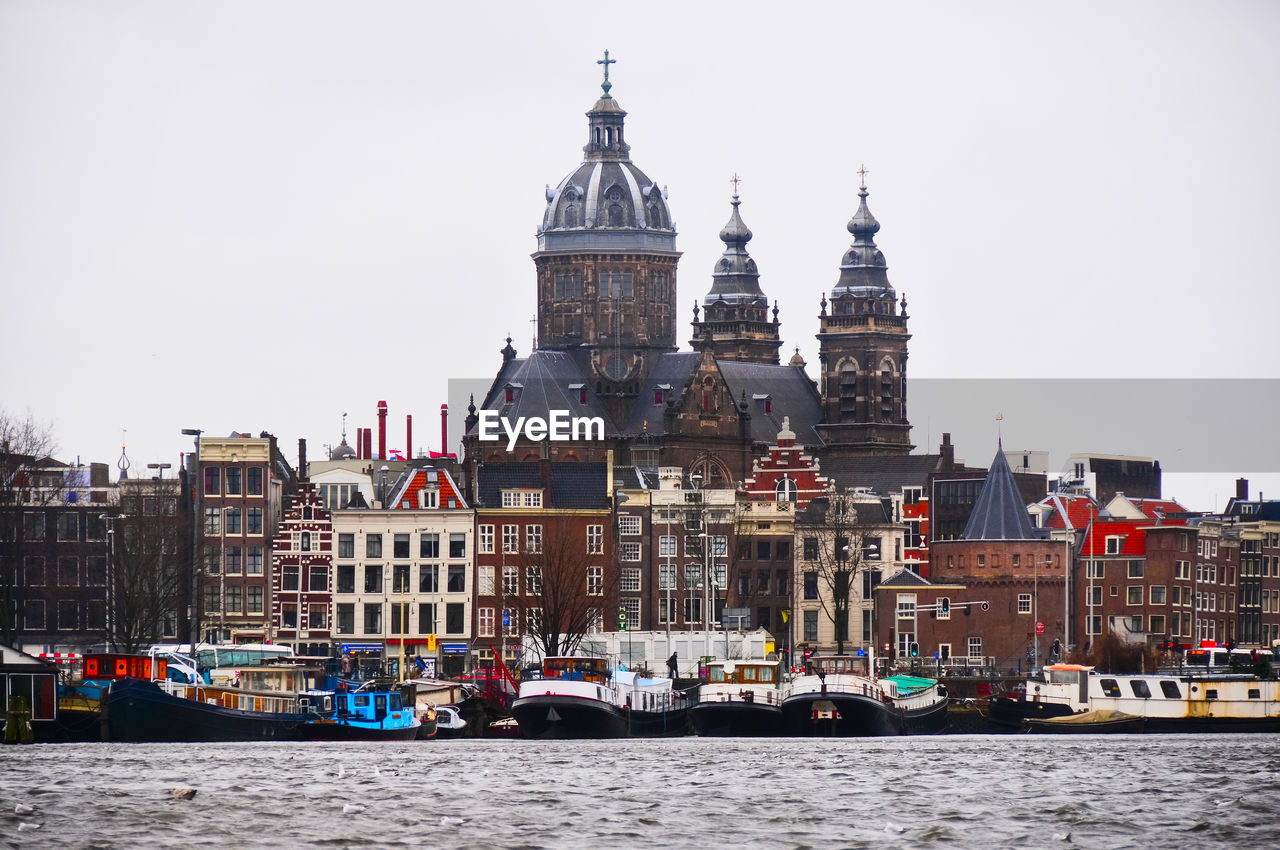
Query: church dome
point(606, 202)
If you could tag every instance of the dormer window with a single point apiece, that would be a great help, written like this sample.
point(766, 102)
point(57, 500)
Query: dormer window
point(581, 390)
point(522, 498)
point(428, 498)
point(510, 394)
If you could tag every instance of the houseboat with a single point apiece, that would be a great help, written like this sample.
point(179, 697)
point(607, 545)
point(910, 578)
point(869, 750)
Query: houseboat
point(838, 698)
point(247, 704)
point(1167, 701)
point(740, 699)
point(574, 697)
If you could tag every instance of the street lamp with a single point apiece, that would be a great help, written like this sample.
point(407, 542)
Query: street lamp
point(868, 552)
point(160, 525)
point(193, 481)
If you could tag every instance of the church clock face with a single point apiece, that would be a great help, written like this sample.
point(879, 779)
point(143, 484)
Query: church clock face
point(616, 367)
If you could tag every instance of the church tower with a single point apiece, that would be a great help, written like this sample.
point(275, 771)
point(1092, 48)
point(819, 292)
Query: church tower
point(606, 259)
point(735, 323)
point(862, 351)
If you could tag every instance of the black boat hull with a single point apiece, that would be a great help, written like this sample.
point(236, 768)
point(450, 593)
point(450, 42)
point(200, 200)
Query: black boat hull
point(559, 716)
point(736, 720)
point(931, 720)
point(1007, 714)
point(318, 731)
point(841, 715)
point(141, 712)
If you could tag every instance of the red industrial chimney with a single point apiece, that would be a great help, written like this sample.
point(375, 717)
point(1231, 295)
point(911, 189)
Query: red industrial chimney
point(382, 430)
point(444, 430)
point(408, 436)
point(366, 444)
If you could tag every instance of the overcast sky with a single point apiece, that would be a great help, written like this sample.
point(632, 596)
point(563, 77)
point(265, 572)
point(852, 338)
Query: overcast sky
point(257, 216)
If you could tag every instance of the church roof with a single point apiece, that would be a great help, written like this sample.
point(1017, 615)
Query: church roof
point(672, 369)
point(1000, 513)
point(541, 383)
point(790, 393)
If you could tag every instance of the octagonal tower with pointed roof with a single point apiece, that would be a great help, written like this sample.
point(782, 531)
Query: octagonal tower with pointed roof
point(606, 258)
point(862, 350)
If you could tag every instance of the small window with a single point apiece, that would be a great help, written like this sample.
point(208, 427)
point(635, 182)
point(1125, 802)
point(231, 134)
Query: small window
point(1212, 693)
point(1255, 693)
point(1140, 689)
point(1110, 687)
point(1170, 689)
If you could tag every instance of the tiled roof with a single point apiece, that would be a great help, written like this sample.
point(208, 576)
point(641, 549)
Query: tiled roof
point(789, 391)
point(1133, 532)
point(574, 486)
point(884, 475)
point(1000, 513)
point(905, 577)
point(1070, 510)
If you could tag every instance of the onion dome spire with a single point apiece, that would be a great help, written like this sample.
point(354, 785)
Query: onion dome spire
point(863, 268)
point(736, 277)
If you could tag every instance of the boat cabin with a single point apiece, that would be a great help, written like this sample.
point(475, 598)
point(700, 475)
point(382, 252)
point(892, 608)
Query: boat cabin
point(110, 665)
point(576, 669)
point(844, 665)
point(369, 707)
point(744, 672)
point(35, 681)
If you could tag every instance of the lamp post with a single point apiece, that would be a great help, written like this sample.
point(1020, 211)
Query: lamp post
point(867, 552)
point(193, 479)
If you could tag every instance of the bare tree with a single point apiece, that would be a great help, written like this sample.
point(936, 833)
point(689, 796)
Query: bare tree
point(568, 589)
point(149, 568)
point(24, 442)
point(845, 530)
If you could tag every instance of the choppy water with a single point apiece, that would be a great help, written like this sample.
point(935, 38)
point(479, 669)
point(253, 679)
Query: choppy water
point(965, 791)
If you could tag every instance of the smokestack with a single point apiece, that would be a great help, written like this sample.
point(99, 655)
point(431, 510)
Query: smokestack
point(366, 444)
point(1242, 489)
point(444, 430)
point(408, 436)
point(382, 430)
point(948, 452)
point(302, 459)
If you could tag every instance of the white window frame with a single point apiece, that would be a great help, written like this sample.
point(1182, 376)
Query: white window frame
point(486, 539)
point(629, 524)
point(1024, 603)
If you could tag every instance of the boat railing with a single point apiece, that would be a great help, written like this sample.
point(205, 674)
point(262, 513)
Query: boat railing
point(737, 693)
point(837, 685)
point(655, 700)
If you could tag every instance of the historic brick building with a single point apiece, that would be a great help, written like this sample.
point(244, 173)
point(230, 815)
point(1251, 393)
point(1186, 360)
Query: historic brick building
point(302, 575)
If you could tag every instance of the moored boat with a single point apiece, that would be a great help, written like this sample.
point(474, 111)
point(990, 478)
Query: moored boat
point(449, 722)
point(739, 699)
point(366, 715)
point(1165, 701)
point(137, 710)
point(1088, 723)
point(582, 698)
point(922, 702)
point(838, 699)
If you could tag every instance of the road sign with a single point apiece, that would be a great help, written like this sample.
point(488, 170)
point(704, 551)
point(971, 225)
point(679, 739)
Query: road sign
point(1039, 628)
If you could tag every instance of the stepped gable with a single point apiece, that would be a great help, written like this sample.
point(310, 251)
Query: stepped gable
point(790, 393)
point(999, 513)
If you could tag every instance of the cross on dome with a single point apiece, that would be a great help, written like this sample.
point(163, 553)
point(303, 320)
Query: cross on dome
point(606, 62)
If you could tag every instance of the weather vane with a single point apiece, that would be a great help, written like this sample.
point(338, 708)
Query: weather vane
point(606, 62)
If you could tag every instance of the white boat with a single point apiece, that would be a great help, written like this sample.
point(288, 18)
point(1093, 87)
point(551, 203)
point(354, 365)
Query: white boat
point(1167, 701)
point(740, 698)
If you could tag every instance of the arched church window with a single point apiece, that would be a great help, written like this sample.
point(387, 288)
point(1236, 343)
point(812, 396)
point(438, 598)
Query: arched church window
point(570, 216)
point(655, 215)
point(616, 216)
point(608, 137)
point(848, 390)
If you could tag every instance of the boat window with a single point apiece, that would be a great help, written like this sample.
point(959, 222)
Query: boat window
point(1064, 677)
point(1212, 693)
point(748, 674)
point(362, 700)
point(1255, 693)
point(1170, 689)
point(1140, 689)
point(717, 674)
point(1110, 687)
point(396, 703)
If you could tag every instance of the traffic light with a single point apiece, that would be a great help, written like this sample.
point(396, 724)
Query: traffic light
point(915, 650)
point(946, 605)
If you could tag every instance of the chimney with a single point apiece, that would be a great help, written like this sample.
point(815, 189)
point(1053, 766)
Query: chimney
point(948, 452)
point(408, 436)
point(444, 430)
point(366, 443)
point(1242, 489)
point(382, 430)
point(302, 459)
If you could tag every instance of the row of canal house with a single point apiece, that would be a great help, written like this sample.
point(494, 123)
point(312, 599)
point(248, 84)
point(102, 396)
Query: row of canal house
point(373, 558)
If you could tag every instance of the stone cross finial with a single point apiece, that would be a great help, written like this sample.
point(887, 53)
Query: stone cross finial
point(606, 62)
point(735, 180)
point(862, 172)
